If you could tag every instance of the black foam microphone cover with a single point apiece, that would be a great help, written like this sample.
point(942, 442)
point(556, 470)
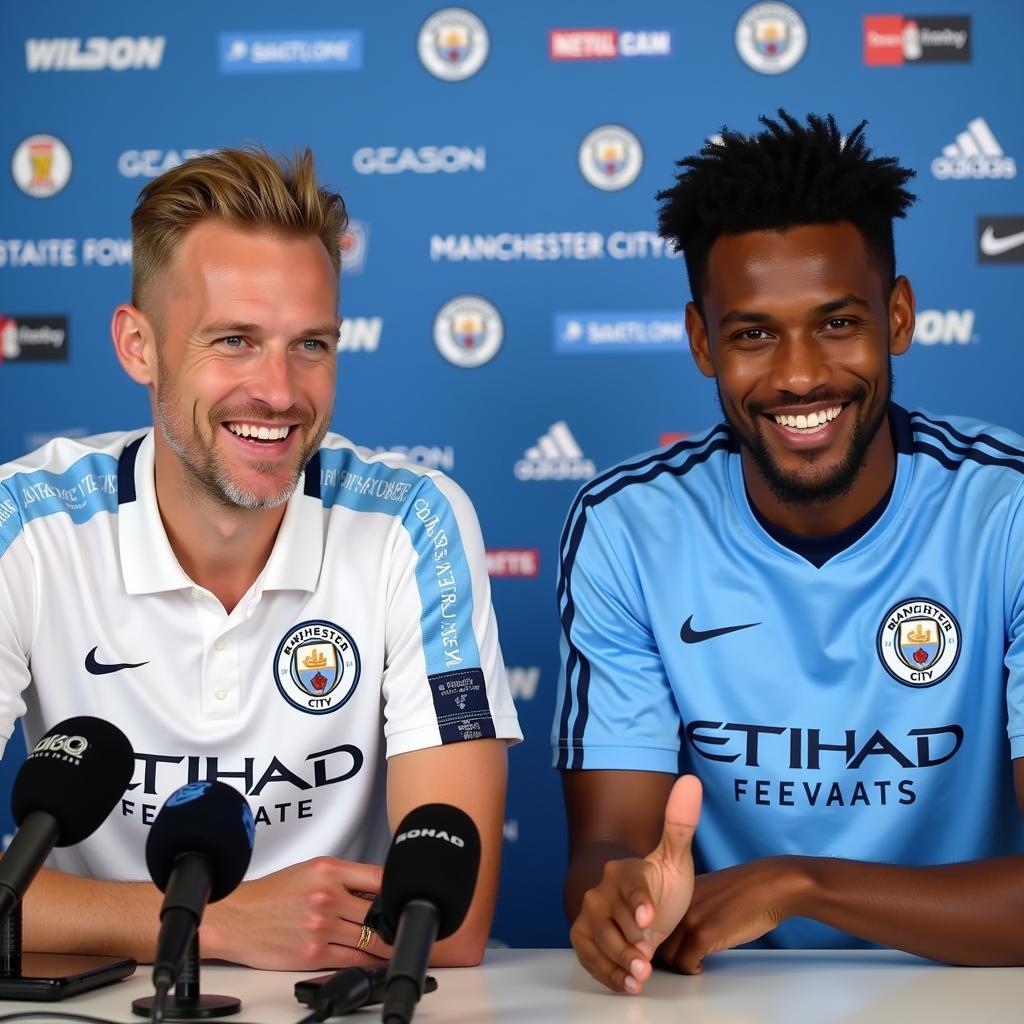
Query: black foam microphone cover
point(435, 856)
point(209, 819)
point(77, 772)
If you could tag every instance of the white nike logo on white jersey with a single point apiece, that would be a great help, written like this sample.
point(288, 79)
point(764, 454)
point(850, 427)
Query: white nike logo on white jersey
point(992, 246)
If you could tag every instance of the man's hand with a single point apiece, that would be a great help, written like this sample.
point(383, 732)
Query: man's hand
point(734, 906)
point(639, 902)
point(302, 918)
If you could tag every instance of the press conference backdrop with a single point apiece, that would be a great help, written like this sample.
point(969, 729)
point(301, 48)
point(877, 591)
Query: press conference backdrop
point(512, 317)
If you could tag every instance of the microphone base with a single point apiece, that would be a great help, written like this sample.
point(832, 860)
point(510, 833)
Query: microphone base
point(50, 977)
point(202, 1008)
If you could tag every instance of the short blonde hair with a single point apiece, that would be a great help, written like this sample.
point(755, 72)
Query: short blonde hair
point(247, 188)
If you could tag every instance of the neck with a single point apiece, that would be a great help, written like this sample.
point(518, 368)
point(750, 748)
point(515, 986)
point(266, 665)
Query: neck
point(220, 547)
point(819, 518)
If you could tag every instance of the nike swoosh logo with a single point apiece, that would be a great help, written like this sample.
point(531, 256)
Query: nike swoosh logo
point(689, 635)
point(992, 246)
point(96, 668)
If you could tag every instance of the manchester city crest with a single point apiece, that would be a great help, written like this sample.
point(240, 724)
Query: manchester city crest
point(453, 44)
point(468, 331)
point(919, 642)
point(316, 667)
point(771, 38)
point(611, 157)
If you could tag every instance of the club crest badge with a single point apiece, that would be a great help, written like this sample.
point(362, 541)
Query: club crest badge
point(316, 667)
point(919, 642)
point(453, 44)
point(41, 166)
point(468, 331)
point(771, 38)
point(611, 157)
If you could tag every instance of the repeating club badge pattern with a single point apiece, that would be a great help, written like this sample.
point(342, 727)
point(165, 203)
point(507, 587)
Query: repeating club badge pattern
point(611, 157)
point(468, 331)
point(771, 38)
point(453, 44)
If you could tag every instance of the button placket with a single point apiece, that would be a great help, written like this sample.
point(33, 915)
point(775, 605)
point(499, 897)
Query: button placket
point(219, 681)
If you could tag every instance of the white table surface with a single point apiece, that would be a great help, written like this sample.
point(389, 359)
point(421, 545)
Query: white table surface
point(737, 987)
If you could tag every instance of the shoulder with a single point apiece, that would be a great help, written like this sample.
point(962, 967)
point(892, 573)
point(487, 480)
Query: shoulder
point(693, 466)
point(61, 454)
point(74, 476)
point(364, 480)
point(973, 449)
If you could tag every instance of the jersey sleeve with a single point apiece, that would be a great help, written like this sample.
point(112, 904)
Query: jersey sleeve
point(1013, 603)
point(444, 677)
point(615, 708)
point(17, 614)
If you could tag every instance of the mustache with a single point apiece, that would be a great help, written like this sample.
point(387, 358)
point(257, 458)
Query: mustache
point(263, 413)
point(793, 401)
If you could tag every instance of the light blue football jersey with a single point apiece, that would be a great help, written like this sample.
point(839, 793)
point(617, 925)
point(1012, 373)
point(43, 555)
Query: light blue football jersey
point(868, 709)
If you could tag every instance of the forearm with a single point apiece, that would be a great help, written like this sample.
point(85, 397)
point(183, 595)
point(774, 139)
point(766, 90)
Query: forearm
point(966, 914)
point(466, 947)
point(586, 867)
point(472, 777)
point(67, 914)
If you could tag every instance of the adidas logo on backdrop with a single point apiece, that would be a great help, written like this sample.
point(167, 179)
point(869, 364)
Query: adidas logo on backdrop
point(974, 154)
point(555, 456)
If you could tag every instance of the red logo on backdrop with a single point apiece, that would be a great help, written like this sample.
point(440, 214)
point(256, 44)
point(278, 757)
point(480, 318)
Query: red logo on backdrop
point(7, 324)
point(673, 437)
point(883, 39)
point(521, 562)
point(583, 44)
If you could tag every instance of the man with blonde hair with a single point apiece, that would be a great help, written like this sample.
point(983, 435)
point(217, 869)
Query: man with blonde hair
point(249, 597)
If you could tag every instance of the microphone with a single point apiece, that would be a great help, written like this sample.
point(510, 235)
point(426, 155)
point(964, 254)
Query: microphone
point(198, 850)
point(62, 793)
point(334, 995)
point(429, 878)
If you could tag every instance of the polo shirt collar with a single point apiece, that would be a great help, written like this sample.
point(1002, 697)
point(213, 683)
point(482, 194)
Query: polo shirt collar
point(148, 563)
point(298, 554)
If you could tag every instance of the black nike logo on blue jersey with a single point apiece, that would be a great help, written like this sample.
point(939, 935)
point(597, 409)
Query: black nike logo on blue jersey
point(96, 668)
point(689, 635)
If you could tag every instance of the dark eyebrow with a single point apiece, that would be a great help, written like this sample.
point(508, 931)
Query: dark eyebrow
point(746, 316)
point(841, 303)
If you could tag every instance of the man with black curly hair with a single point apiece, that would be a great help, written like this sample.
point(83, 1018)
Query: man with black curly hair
point(814, 610)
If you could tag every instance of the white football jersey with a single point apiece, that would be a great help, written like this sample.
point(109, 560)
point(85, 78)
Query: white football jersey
point(368, 633)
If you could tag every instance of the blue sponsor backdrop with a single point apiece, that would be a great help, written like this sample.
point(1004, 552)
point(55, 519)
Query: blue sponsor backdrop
point(468, 185)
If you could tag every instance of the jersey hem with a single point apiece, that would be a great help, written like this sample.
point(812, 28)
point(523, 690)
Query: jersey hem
point(612, 756)
point(425, 736)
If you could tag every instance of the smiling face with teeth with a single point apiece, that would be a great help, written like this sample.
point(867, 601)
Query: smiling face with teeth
point(798, 330)
point(245, 362)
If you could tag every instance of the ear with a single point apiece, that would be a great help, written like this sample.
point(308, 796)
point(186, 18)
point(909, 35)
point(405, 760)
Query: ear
point(902, 304)
point(700, 346)
point(134, 343)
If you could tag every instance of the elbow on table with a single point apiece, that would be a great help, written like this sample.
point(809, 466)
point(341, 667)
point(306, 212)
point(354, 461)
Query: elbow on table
point(460, 951)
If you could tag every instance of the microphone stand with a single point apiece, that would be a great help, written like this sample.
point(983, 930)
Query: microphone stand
point(48, 977)
point(188, 1003)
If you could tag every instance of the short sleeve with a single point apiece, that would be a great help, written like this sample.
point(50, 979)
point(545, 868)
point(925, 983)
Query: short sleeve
point(444, 677)
point(17, 605)
point(615, 707)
